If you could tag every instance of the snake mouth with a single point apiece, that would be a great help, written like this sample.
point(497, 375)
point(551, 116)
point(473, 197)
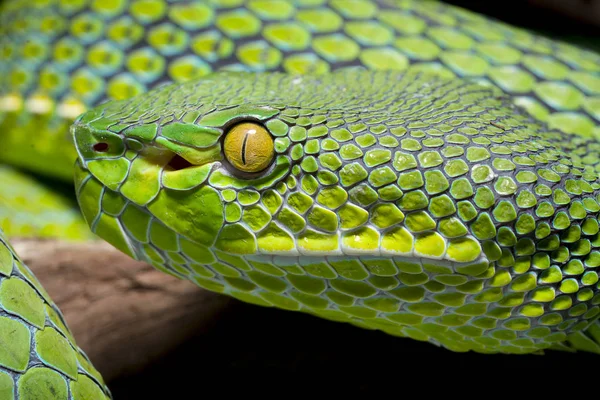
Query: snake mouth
point(177, 163)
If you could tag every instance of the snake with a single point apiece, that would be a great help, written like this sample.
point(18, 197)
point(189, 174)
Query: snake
point(403, 166)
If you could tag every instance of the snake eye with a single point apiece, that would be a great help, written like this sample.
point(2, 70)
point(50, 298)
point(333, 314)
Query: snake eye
point(249, 147)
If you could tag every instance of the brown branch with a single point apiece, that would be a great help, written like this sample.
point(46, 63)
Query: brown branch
point(124, 314)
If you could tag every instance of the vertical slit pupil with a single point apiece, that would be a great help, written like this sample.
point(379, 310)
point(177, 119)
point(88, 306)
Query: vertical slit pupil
point(244, 148)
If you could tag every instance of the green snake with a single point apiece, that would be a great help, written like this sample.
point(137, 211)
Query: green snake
point(405, 166)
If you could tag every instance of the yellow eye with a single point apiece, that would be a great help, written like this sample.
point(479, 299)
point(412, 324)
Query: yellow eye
point(249, 147)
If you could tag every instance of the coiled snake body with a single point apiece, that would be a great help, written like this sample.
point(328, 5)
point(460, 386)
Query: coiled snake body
point(399, 165)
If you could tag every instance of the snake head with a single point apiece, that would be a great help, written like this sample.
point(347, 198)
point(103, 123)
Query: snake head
point(403, 191)
point(180, 156)
point(274, 164)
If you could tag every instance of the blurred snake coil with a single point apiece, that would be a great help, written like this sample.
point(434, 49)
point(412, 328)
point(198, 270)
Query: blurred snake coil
point(405, 166)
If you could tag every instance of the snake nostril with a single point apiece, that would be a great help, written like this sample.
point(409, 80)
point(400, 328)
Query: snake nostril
point(101, 147)
point(178, 163)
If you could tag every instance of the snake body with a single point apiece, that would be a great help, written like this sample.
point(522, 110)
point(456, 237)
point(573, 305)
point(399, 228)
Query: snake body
point(424, 207)
point(39, 358)
point(62, 57)
point(406, 166)
point(30, 209)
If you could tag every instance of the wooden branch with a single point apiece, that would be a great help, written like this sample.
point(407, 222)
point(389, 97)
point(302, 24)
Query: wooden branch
point(124, 314)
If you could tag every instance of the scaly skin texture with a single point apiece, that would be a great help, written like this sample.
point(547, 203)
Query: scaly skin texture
point(39, 358)
point(61, 57)
point(428, 208)
point(429, 279)
point(29, 209)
